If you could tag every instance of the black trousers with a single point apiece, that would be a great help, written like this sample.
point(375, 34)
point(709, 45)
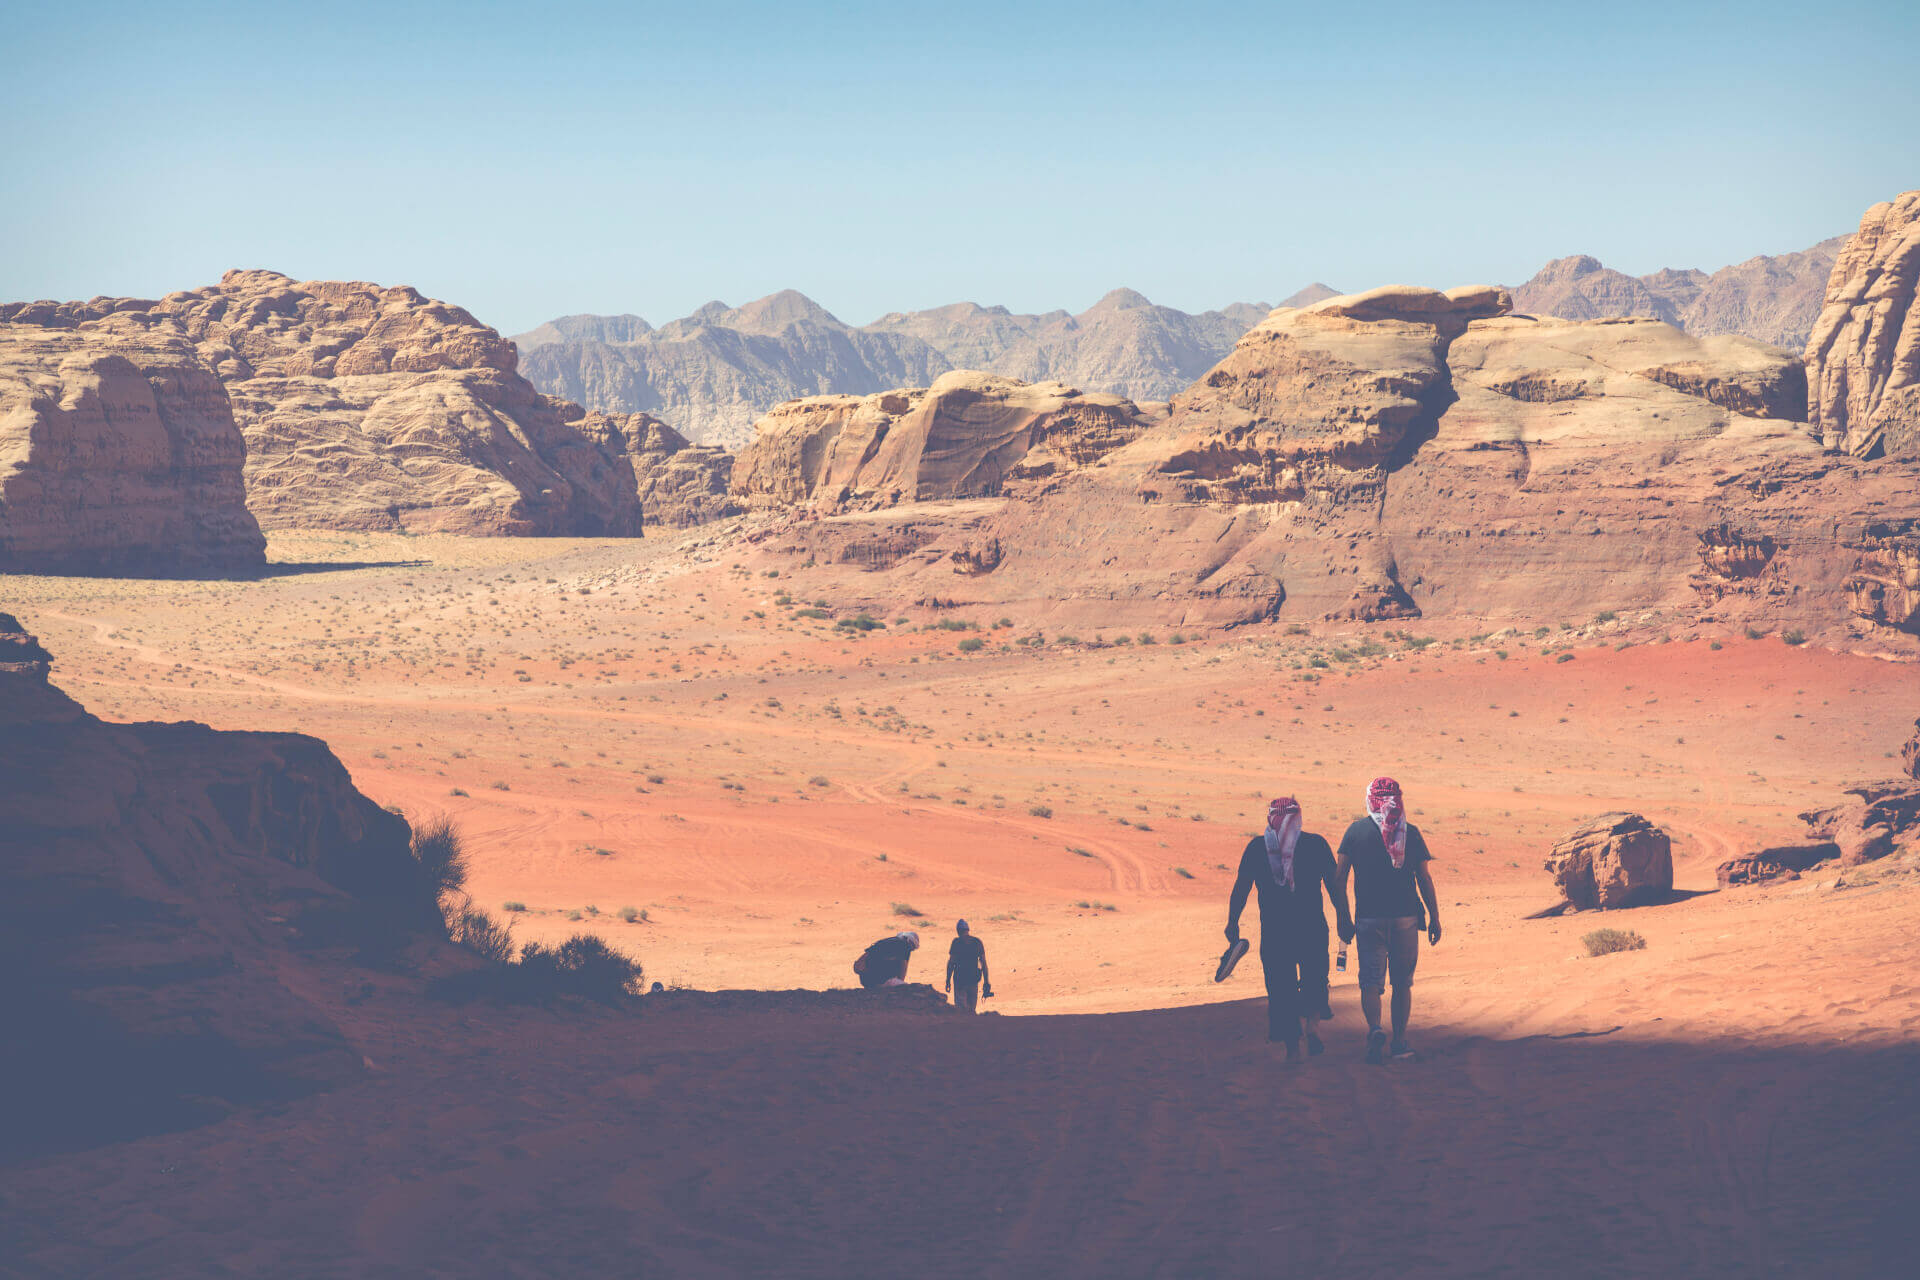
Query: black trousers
point(1296, 973)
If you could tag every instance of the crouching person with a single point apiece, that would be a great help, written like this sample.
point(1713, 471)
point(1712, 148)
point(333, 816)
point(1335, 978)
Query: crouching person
point(884, 964)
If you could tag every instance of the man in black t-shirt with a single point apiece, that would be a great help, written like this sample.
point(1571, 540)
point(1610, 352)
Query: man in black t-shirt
point(886, 960)
point(1393, 890)
point(967, 965)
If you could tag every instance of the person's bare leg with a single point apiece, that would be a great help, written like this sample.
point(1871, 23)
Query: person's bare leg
point(1370, 1006)
point(1402, 1010)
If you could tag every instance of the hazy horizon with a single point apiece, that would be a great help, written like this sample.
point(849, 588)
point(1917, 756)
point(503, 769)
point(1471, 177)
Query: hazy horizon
point(647, 160)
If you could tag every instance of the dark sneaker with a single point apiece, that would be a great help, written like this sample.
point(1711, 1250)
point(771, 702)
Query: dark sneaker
point(1401, 1051)
point(1315, 1046)
point(1376, 1047)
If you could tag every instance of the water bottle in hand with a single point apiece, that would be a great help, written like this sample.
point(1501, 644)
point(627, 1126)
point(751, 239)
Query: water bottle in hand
point(1341, 963)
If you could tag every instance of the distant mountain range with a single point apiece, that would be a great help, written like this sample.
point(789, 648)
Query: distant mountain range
point(1772, 299)
point(713, 373)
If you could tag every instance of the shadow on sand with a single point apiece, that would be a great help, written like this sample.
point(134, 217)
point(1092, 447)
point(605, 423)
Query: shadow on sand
point(253, 573)
point(803, 1137)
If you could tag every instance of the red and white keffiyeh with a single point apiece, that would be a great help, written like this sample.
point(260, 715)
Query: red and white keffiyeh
point(1282, 834)
point(1385, 807)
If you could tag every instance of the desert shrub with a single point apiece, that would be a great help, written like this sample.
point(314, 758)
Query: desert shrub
point(1795, 636)
point(864, 622)
point(1756, 633)
point(481, 934)
point(441, 858)
point(955, 624)
point(819, 780)
point(629, 914)
point(1603, 942)
point(907, 909)
point(1183, 873)
point(972, 644)
point(1040, 810)
point(1565, 657)
point(811, 613)
point(1605, 615)
point(511, 905)
point(583, 965)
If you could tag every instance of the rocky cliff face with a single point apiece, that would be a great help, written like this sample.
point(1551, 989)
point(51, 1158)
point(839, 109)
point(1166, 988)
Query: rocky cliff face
point(373, 408)
point(968, 435)
point(170, 898)
point(680, 484)
point(1771, 298)
point(1863, 357)
point(721, 369)
point(1386, 455)
point(118, 452)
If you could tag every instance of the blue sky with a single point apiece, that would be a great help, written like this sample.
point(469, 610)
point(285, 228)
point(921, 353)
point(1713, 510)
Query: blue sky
point(528, 161)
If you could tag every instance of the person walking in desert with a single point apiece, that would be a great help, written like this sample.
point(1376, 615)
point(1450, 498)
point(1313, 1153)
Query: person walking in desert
point(1290, 865)
point(1392, 890)
point(967, 965)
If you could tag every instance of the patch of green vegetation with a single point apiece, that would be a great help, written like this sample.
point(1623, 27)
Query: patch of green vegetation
point(1603, 942)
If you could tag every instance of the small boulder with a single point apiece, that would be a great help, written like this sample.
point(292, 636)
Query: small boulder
point(1614, 860)
point(1783, 862)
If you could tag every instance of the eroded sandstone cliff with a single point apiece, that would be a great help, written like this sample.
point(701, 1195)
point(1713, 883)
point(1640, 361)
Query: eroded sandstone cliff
point(1863, 357)
point(118, 451)
point(1386, 455)
point(968, 435)
point(377, 408)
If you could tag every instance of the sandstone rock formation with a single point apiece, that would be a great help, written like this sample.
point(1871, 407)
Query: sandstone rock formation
point(1910, 753)
point(1879, 819)
point(1782, 862)
point(170, 898)
point(1863, 356)
point(1771, 299)
point(1385, 455)
point(680, 484)
point(967, 435)
point(118, 452)
point(717, 371)
point(372, 408)
point(1614, 860)
point(1884, 587)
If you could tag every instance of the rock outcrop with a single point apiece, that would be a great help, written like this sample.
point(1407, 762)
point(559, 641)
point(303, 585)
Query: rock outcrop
point(1884, 587)
point(1782, 862)
point(118, 452)
point(377, 408)
point(160, 887)
point(1770, 298)
point(719, 370)
point(1910, 753)
point(1385, 455)
point(968, 435)
point(1614, 860)
point(680, 484)
point(1863, 356)
point(1878, 819)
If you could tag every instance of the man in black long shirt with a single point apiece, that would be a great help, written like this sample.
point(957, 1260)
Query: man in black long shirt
point(1388, 859)
point(1290, 866)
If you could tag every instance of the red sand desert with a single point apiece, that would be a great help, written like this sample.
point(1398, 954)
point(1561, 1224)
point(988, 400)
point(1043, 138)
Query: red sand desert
point(640, 725)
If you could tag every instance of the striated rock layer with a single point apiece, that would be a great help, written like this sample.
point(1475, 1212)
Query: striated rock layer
point(118, 451)
point(1386, 455)
point(372, 408)
point(968, 435)
point(157, 884)
point(1863, 356)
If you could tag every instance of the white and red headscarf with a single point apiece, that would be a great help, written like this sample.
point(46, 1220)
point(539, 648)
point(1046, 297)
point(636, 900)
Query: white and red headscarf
point(1385, 807)
point(1282, 834)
